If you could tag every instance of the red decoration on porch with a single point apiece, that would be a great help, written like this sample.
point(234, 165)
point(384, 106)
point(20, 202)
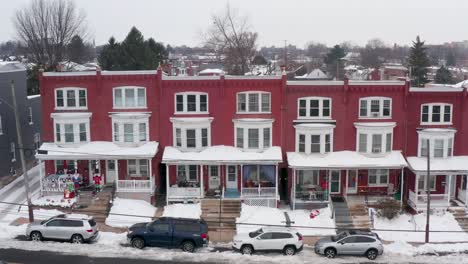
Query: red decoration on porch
point(314, 214)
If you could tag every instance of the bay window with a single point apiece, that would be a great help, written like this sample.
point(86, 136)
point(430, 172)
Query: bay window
point(191, 103)
point(314, 138)
point(253, 134)
point(130, 128)
point(314, 107)
point(191, 133)
point(129, 97)
point(436, 113)
point(440, 142)
point(70, 98)
point(374, 138)
point(375, 107)
point(71, 128)
point(253, 102)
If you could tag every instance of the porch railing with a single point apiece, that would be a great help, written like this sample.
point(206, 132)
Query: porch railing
point(53, 186)
point(259, 192)
point(311, 196)
point(462, 195)
point(134, 186)
point(184, 192)
point(419, 201)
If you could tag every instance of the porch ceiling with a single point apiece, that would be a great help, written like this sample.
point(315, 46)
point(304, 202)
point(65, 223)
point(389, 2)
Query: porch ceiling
point(98, 150)
point(346, 160)
point(222, 155)
point(456, 164)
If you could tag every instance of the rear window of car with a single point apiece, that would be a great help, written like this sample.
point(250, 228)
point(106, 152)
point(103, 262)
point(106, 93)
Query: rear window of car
point(72, 223)
point(186, 228)
point(92, 222)
point(364, 239)
point(281, 235)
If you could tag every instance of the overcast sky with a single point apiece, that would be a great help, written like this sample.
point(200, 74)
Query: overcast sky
point(178, 22)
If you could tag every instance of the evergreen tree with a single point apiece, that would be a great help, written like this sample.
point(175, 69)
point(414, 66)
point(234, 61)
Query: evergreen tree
point(77, 51)
point(334, 63)
point(156, 53)
point(444, 76)
point(418, 61)
point(109, 58)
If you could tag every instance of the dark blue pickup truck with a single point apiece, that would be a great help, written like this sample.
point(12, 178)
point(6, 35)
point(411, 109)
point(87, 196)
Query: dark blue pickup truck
point(184, 233)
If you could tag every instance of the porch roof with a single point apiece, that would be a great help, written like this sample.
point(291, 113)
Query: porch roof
point(449, 165)
point(97, 150)
point(346, 160)
point(222, 155)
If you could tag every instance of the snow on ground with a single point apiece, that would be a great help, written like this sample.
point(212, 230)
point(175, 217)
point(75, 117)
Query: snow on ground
point(142, 210)
point(54, 200)
point(438, 222)
point(323, 219)
point(183, 210)
point(258, 215)
point(403, 248)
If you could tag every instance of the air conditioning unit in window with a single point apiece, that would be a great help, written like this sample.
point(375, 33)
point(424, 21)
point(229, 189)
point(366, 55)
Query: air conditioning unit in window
point(376, 150)
point(375, 114)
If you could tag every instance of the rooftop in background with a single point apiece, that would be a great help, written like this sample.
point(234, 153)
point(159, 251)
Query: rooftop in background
point(11, 66)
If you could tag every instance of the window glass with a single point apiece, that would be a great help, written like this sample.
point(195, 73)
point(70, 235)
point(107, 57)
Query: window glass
point(386, 108)
point(204, 138)
point(425, 113)
point(129, 97)
point(142, 131)
point(315, 143)
point(118, 99)
point(375, 106)
point(193, 173)
point(266, 137)
point(351, 239)
point(363, 239)
point(57, 133)
point(447, 112)
point(280, 235)
point(83, 134)
point(178, 137)
point(314, 108)
point(191, 103)
point(436, 113)
point(71, 98)
point(438, 148)
point(266, 236)
point(159, 227)
point(55, 223)
point(302, 143)
point(326, 108)
point(362, 142)
point(450, 147)
point(253, 138)
point(143, 167)
point(302, 108)
point(388, 143)
point(187, 228)
point(240, 137)
point(241, 103)
point(116, 132)
point(179, 103)
point(376, 143)
point(327, 143)
point(265, 102)
point(72, 223)
point(191, 138)
point(82, 99)
point(423, 143)
point(363, 108)
point(59, 94)
point(69, 135)
point(203, 103)
point(132, 167)
point(128, 133)
point(253, 102)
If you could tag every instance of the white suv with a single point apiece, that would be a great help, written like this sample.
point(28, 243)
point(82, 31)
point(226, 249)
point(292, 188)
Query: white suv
point(269, 239)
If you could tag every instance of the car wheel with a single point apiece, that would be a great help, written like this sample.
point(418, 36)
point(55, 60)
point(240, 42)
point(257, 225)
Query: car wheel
point(138, 243)
point(289, 251)
point(77, 239)
point(330, 252)
point(371, 254)
point(35, 236)
point(188, 246)
point(247, 250)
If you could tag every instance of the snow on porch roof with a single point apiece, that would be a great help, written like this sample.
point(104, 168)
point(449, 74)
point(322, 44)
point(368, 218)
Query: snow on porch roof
point(346, 159)
point(98, 150)
point(450, 164)
point(222, 154)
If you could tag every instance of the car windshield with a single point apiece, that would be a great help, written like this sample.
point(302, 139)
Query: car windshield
point(255, 233)
point(339, 236)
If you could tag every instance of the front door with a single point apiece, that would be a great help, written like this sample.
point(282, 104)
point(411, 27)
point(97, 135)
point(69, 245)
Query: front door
point(110, 172)
point(335, 181)
point(352, 181)
point(231, 179)
point(214, 177)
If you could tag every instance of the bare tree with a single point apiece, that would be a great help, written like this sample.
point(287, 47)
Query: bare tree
point(231, 37)
point(46, 27)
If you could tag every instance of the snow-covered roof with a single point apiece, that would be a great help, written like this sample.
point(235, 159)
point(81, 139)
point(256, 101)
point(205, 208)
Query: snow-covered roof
point(346, 159)
point(97, 150)
point(463, 84)
point(222, 155)
point(450, 164)
point(211, 71)
point(11, 66)
point(442, 88)
point(33, 96)
point(315, 74)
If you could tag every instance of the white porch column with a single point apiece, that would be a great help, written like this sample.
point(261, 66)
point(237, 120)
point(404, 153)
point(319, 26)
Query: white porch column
point(116, 174)
point(466, 190)
point(202, 192)
point(293, 196)
point(41, 175)
point(416, 187)
point(401, 189)
point(241, 178)
point(167, 184)
point(150, 170)
point(346, 187)
point(276, 184)
point(449, 188)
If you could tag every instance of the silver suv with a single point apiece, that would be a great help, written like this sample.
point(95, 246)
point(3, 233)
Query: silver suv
point(74, 228)
point(350, 243)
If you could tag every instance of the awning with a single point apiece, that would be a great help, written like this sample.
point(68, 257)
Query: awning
point(222, 155)
point(456, 164)
point(346, 160)
point(98, 150)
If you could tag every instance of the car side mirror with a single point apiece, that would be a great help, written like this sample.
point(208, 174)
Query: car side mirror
point(342, 242)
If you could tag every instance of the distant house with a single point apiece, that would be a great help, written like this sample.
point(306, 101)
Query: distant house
point(316, 74)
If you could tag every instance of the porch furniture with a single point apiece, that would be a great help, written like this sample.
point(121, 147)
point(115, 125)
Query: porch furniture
point(312, 195)
point(391, 189)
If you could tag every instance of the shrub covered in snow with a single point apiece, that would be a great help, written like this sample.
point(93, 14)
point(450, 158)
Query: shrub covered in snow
point(387, 208)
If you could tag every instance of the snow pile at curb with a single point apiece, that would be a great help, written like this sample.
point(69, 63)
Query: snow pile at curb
point(403, 248)
point(54, 200)
point(323, 219)
point(258, 215)
point(183, 211)
point(142, 210)
point(444, 222)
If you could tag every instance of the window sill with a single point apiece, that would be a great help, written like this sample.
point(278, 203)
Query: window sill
point(191, 113)
point(129, 144)
point(71, 108)
point(436, 124)
point(253, 113)
point(377, 185)
point(375, 118)
point(129, 108)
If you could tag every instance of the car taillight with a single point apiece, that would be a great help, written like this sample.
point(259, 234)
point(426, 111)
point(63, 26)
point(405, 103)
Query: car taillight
point(299, 237)
point(89, 230)
point(204, 236)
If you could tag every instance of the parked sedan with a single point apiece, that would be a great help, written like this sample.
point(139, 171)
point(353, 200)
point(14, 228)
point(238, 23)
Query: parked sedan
point(284, 240)
point(350, 243)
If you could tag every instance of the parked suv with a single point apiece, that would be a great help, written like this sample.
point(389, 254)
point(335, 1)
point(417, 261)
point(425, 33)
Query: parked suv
point(350, 243)
point(184, 233)
point(72, 227)
point(269, 239)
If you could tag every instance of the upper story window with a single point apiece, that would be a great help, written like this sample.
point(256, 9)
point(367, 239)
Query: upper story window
point(191, 103)
point(440, 142)
point(253, 134)
point(130, 128)
point(314, 138)
point(191, 133)
point(70, 98)
point(314, 107)
point(374, 138)
point(436, 113)
point(253, 102)
point(71, 128)
point(375, 107)
point(129, 97)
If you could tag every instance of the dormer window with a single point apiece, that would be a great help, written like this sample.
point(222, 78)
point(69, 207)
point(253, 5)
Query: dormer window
point(314, 107)
point(70, 98)
point(374, 138)
point(375, 107)
point(129, 97)
point(440, 142)
point(191, 103)
point(436, 114)
point(253, 102)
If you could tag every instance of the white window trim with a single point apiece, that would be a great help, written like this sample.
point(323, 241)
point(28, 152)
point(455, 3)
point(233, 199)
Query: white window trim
point(191, 123)
point(378, 183)
point(247, 94)
point(432, 135)
point(381, 107)
point(425, 183)
point(259, 124)
point(442, 112)
point(1, 126)
point(371, 129)
point(138, 168)
point(65, 101)
point(310, 129)
point(74, 119)
point(321, 99)
point(187, 173)
point(123, 88)
point(134, 118)
point(185, 103)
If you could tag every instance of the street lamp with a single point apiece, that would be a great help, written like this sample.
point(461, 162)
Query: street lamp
point(14, 107)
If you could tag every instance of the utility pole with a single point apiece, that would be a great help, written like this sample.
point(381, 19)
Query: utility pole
point(428, 190)
point(21, 151)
